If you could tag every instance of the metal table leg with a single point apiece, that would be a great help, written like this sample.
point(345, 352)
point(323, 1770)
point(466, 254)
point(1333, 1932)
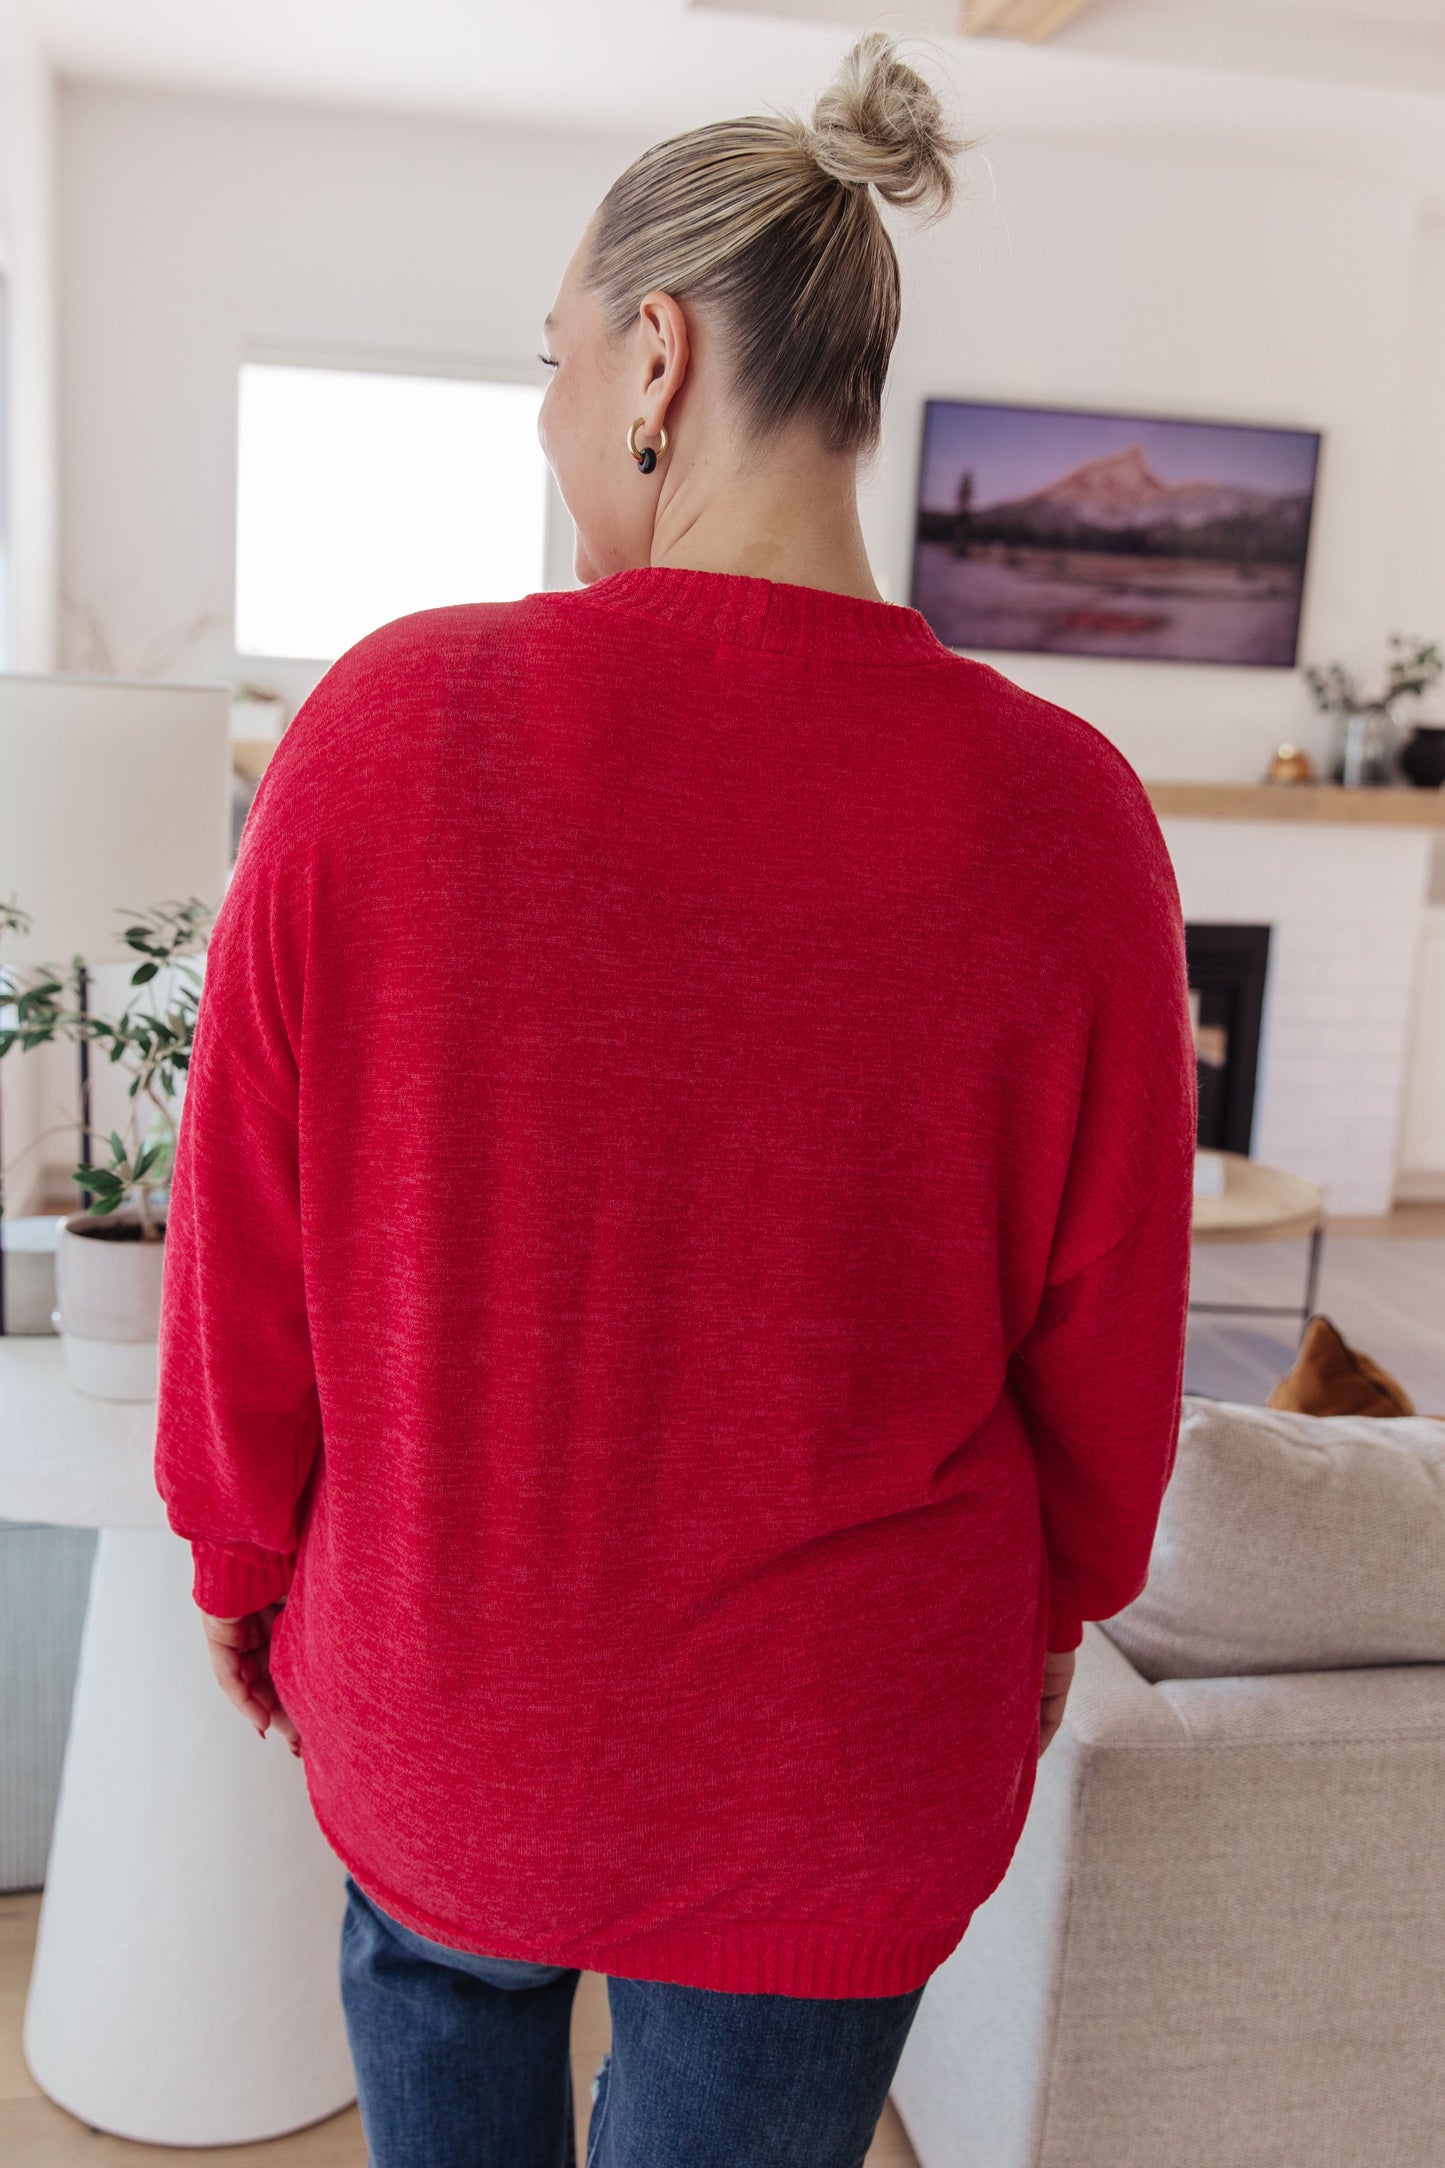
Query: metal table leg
point(1277, 1309)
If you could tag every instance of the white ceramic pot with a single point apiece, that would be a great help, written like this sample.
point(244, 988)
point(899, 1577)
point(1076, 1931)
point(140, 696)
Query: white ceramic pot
point(109, 1286)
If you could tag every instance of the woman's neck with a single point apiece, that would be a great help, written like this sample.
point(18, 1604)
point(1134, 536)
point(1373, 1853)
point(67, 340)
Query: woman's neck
point(794, 518)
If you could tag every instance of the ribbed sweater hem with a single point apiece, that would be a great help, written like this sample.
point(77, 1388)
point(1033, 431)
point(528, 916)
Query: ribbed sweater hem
point(779, 1957)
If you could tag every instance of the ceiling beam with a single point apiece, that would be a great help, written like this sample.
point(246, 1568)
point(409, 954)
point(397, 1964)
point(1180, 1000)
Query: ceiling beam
point(1032, 20)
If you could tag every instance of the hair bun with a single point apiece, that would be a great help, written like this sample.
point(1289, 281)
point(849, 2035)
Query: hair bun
point(880, 123)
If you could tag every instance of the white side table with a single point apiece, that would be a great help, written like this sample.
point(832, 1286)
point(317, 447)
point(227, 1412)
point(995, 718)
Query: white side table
point(185, 1987)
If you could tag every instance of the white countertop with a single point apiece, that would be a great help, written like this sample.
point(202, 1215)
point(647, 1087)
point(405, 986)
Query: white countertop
point(67, 1459)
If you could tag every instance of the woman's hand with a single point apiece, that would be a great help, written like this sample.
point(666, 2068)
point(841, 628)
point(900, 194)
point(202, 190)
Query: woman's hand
point(1058, 1676)
point(240, 1652)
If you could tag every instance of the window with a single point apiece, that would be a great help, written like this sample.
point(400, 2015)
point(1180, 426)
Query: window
point(363, 496)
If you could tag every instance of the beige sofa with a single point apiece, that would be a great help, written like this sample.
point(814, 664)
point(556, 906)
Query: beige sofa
point(1221, 1941)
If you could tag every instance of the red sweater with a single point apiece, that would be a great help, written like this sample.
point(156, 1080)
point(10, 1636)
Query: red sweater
point(677, 1266)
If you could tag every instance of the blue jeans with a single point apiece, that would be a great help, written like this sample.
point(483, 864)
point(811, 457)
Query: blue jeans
point(464, 2062)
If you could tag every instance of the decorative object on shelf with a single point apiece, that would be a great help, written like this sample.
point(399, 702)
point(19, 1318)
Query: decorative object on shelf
point(1422, 757)
point(109, 1260)
point(1368, 730)
point(1289, 765)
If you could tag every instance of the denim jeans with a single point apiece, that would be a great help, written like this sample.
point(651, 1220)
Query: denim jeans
point(464, 2062)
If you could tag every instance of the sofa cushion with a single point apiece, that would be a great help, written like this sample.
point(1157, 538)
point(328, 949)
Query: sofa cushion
point(1290, 1542)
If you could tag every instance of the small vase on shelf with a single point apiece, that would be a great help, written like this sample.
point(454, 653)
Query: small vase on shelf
point(1366, 751)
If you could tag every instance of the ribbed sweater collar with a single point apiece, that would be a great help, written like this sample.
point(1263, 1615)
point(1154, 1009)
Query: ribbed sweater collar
point(744, 611)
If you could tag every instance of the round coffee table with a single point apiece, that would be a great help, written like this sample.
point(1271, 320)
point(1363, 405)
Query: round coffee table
point(185, 1989)
point(1264, 1204)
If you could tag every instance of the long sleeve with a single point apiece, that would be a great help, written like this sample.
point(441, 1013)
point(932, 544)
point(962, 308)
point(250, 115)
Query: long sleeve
point(1101, 1376)
point(238, 1425)
point(1100, 1372)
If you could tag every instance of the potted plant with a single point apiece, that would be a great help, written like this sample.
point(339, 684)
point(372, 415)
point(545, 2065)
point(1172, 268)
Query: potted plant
point(1369, 729)
point(110, 1254)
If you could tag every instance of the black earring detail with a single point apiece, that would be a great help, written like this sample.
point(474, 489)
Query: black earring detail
point(647, 458)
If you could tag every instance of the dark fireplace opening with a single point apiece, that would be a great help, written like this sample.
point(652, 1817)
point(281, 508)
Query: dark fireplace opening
point(1227, 968)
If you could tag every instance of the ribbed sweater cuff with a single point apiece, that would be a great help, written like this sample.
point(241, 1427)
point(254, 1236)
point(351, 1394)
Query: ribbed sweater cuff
point(232, 1579)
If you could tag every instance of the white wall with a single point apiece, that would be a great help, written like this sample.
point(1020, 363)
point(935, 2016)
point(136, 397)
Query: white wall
point(1415, 560)
point(26, 258)
point(195, 231)
point(28, 452)
point(1172, 276)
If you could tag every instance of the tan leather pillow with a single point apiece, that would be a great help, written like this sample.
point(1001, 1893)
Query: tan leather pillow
point(1328, 1377)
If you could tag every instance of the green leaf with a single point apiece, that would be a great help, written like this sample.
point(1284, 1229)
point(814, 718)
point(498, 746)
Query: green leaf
point(116, 1144)
point(104, 1179)
point(146, 1158)
point(142, 972)
point(100, 1205)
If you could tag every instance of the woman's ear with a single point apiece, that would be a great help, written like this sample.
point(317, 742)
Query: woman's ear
point(666, 354)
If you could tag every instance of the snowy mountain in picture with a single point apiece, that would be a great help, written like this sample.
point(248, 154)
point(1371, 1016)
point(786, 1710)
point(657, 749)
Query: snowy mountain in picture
point(1059, 531)
point(1121, 493)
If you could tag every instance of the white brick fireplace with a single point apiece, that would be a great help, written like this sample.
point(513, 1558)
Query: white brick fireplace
point(1345, 901)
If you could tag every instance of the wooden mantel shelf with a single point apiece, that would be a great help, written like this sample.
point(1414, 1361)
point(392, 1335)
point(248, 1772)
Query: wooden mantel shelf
point(1387, 805)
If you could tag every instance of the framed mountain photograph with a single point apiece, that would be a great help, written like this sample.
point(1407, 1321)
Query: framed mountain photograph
point(1057, 531)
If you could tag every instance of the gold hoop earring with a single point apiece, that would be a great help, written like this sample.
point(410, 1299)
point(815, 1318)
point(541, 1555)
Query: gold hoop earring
point(647, 458)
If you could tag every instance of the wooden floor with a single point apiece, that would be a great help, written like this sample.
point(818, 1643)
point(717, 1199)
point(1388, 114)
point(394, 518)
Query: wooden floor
point(1383, 1283)
point(1384, 1290)
point(34, 2133)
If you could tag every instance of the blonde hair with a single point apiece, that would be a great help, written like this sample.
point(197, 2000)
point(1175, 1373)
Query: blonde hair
point(772, 221)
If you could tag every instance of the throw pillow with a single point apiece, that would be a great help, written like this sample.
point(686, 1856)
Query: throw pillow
point(1292, 1542)
point(1330, 1378)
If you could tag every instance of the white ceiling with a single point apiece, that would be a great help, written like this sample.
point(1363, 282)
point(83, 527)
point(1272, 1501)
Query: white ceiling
point(1363, 79)
point(1381, 42)
point(625, 63)
point(1385, 43)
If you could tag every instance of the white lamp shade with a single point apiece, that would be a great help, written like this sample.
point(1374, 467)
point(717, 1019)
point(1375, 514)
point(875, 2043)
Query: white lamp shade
point(115, 796)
